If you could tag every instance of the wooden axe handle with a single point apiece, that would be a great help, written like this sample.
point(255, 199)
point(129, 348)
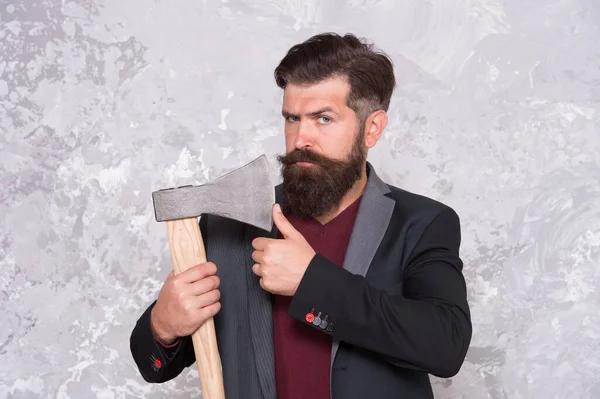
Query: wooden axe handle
point(187, 250)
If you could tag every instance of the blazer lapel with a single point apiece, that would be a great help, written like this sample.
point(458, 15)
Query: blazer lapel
point(371, 223)
point(260, 314)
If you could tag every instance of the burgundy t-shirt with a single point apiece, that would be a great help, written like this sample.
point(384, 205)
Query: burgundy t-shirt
point(303, 353)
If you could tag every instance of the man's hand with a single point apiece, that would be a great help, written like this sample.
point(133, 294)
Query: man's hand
point(185, 302)
point(281, 263)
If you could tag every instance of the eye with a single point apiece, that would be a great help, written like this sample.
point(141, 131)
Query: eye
point(324, 120)
point(292, 119)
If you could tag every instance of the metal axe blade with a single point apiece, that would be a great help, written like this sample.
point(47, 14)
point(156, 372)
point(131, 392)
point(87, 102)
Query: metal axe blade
point(246, 194)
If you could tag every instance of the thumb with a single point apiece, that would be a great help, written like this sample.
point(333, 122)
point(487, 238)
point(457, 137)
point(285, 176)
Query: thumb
point(283, 224)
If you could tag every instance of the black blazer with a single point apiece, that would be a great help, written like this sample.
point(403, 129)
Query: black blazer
point(397, 308)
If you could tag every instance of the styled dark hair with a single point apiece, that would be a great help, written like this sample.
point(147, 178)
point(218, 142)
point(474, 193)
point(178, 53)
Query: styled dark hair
point(369, 71)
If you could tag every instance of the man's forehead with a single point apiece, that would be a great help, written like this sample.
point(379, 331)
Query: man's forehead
point(327, 94)
point(332, 88)
point(307, 105)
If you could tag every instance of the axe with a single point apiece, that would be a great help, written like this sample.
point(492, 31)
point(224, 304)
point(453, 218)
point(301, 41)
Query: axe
point(246, 195)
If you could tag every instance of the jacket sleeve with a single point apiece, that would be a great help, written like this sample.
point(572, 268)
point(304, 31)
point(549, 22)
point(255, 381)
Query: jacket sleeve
point(426, 328)
point(157, 363)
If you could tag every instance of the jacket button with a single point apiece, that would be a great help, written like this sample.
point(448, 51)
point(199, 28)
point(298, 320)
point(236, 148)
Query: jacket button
point(156, 363)
point(324, 323)
point(317, 320)
point(330, 327)
point(310, 317)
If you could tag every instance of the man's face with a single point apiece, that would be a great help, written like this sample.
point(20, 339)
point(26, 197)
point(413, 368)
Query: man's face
point(325, 152)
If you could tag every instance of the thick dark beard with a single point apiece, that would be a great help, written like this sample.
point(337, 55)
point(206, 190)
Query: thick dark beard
point(315, 190)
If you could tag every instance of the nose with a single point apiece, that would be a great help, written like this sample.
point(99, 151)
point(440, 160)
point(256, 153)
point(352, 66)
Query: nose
point(304, 137)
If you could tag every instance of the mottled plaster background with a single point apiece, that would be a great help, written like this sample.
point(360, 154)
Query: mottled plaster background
point(497, 114)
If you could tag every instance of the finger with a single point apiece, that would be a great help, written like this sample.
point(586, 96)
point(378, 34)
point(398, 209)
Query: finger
point(207, 299)
point(209, 311)
point(258, 256)
point(198, 272)
point(203, 286)
point(263, 285)
point(260, 243)
point(283, 224)
point(256, 269)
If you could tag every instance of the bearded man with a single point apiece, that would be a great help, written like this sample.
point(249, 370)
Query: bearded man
point(359, 290)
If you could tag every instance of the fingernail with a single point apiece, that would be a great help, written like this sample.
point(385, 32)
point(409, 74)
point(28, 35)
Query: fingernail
point(277, 208)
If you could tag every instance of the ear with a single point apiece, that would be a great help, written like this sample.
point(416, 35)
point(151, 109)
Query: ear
point(374, 127)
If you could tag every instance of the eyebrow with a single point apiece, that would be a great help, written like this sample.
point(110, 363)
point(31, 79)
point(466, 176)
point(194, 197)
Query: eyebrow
point(314, 113)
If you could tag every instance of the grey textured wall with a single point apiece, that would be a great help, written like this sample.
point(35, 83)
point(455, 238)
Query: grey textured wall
point(103, 101)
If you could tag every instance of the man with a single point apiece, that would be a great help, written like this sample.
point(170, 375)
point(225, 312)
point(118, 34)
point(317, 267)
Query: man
point(358, 292)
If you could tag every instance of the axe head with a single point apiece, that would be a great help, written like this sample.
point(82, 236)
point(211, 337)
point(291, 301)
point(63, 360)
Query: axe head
point(246, 194)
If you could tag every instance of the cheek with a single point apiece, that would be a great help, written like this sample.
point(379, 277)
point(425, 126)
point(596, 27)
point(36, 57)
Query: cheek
point(337, 143)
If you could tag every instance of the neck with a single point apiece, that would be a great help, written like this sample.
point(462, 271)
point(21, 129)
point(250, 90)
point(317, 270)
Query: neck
point(351, 196)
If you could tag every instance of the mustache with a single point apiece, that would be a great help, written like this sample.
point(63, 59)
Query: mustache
point(303, 155)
